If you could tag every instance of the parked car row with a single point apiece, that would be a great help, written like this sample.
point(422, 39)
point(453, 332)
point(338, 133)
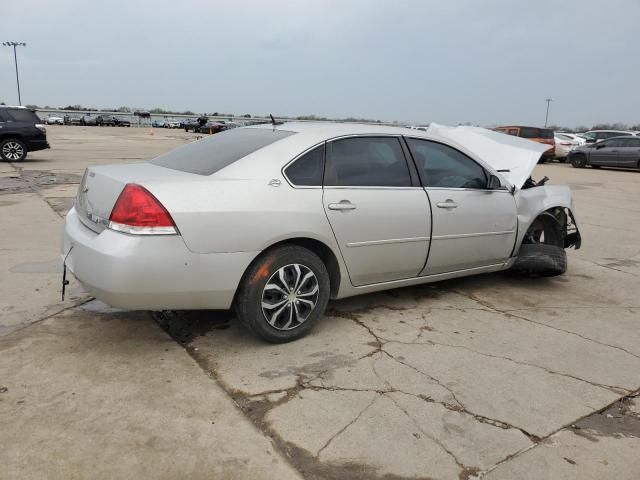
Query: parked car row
point(595, 147)
point(88, 119)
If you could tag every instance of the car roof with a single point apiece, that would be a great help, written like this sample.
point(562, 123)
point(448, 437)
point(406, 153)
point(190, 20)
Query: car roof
point(614, 131)
point(523, 126)
point(337, 129)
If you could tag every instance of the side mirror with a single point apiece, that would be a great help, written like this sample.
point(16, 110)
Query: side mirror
point(494, 183)
point(590, 140)
point(600, 145)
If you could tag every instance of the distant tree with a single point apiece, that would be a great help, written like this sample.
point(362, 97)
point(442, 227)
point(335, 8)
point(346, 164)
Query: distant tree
point(124, 110)
point(32, 107)
point(246, 115)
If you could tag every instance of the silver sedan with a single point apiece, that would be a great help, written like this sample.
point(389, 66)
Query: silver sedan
point(275, 220)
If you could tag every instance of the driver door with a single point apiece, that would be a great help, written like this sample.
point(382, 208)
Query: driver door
point(605, 153)
point(473, 226)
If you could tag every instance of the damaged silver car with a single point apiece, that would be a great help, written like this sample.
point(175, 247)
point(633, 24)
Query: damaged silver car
point(275, 220)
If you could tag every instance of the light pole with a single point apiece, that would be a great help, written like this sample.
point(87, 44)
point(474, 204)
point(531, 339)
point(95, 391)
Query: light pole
point(546, 118)
point(15, 59)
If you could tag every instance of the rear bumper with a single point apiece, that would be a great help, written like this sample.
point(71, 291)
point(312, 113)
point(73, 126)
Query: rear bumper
point(150, 272)
point(38, 144)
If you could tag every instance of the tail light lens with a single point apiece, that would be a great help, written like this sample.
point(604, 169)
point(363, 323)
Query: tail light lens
point(138, 212)
point(566, 144)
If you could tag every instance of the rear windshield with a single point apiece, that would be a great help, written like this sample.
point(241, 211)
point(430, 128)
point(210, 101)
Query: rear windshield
point(531, 132)
point(206, 157)
point(20, 115)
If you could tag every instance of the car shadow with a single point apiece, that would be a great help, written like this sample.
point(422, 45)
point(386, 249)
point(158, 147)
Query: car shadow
point(186, 325)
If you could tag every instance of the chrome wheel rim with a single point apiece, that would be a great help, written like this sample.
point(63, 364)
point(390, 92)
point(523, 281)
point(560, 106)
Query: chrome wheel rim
point(12, 151)
point(290, 296)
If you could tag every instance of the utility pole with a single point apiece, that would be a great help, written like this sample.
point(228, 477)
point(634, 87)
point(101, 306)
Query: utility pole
point(15, 59)
point(546, 118)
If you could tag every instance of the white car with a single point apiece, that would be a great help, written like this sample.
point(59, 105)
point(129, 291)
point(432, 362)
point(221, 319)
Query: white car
point(565, 142)
point(55, 120)
point(274, 220)
point(172, 123)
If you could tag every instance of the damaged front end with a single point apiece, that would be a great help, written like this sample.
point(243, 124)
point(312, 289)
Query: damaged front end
point(546, 226)
point(546, 209)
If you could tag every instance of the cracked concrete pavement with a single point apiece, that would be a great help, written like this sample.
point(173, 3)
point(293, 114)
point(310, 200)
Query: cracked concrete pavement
point(492, 376)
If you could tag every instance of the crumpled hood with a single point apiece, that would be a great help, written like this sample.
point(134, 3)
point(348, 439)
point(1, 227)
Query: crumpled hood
point(514, 158)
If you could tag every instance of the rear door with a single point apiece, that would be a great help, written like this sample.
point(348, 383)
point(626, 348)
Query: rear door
point(379, 214)
point(473, 226)
point(629, 152)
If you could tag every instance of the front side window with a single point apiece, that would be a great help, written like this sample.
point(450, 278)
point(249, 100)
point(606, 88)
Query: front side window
point(444, 167)
point(616, 142)
point(308, 169)
point(366, 162)
point(631, 142)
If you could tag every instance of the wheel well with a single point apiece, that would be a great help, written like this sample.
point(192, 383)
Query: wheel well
point(324, 252)
point(558, 226)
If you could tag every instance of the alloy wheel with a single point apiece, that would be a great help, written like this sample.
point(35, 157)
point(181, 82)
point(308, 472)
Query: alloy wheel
point(12, 151)
point(289, 297)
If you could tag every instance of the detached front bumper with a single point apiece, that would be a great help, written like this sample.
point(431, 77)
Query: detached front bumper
point(150, 272)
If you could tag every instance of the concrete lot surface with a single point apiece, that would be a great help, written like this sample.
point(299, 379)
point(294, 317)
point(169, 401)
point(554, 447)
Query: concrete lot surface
point(494, 376)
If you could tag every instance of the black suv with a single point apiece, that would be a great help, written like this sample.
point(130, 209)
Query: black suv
point(21, 131)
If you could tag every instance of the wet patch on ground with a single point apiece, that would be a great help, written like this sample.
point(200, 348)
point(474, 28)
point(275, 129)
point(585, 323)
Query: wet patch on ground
point(29, 180)
point(622, 419)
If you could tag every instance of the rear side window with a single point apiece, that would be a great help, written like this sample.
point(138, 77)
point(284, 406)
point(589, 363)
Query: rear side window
point(308, 169)
point(366, 162)
point(206, 157)
point(444, 167)
point(20, 115)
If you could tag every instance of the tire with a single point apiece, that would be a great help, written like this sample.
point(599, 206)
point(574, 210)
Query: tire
point(578, 161)
point(292, 316)
point(540, 260)
point(542, 160)
point(13, 150)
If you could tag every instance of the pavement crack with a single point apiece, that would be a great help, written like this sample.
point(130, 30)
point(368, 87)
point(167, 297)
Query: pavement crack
point(614, 388)
point(542, 324)
point(428, 435)
point(339, 432)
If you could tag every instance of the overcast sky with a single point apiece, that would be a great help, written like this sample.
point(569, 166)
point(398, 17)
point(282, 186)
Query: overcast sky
point(450, 61)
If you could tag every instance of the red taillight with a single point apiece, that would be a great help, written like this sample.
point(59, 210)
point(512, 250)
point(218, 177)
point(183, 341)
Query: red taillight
point(138, 211)
point(566, 144)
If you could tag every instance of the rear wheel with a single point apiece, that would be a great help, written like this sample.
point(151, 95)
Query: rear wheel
point(578, 161)
point(283, 294)
point(13, 150)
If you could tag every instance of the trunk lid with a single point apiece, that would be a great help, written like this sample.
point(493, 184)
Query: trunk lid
point(101, 186)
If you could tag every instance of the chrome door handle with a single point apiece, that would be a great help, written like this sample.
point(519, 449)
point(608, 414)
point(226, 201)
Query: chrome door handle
point(447, 204)
point(343, 205)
